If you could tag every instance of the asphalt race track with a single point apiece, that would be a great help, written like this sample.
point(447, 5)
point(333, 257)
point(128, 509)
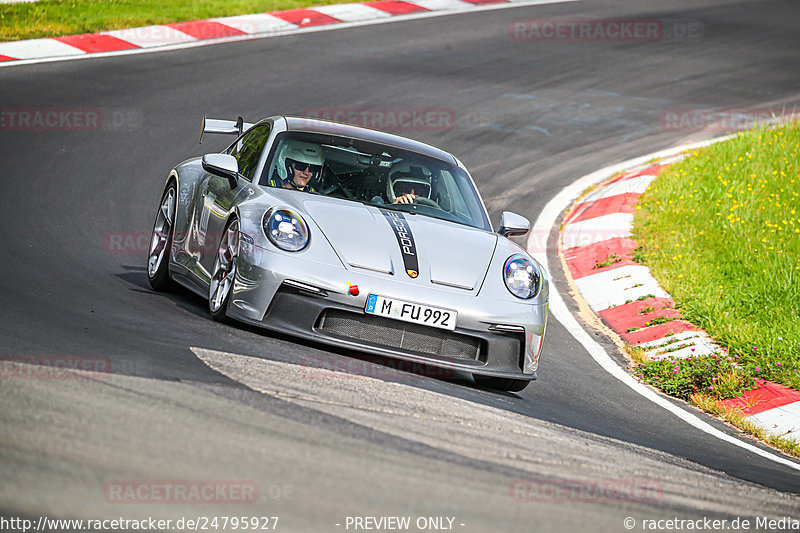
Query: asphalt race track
point(325, 435)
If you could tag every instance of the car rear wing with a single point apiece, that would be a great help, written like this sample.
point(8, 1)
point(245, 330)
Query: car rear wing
point(228, 127)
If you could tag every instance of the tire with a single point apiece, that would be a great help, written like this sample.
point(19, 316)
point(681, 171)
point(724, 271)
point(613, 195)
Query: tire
point(504, 384)
point(224, 272)
point(161, 241)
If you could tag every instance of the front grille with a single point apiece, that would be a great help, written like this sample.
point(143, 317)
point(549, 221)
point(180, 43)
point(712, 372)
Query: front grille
point(400, 335)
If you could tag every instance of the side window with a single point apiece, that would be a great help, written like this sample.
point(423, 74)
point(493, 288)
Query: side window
point(248, 149)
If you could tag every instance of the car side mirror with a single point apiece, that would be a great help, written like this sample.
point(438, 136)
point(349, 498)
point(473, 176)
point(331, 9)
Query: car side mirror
point(222, 165)
point(513, 224)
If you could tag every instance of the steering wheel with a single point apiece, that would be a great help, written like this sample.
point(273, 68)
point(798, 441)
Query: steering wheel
point(421, 200)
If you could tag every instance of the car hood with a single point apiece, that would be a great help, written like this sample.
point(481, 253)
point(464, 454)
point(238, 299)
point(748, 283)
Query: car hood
point(448, 256)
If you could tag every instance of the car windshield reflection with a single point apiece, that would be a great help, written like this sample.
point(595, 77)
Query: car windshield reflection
point(374, 174)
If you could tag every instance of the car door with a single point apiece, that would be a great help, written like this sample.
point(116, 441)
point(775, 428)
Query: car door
point(217, 198)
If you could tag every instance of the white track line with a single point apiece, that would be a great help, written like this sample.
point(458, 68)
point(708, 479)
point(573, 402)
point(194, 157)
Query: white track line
point(637, 185)
point(33, 48)
point(618, 286)
point(256, 24)
point(558, 308)
point(151, 36)
point(352, 12)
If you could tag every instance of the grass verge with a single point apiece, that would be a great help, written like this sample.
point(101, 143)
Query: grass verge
point(721, 231)
point(715, 376)
point(53, 18)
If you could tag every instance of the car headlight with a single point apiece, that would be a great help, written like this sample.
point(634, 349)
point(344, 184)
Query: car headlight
point(522, 277)
point(285, 229)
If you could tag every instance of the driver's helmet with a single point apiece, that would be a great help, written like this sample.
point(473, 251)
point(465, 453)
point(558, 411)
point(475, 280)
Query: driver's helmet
point(406, 177)
point(300, 154)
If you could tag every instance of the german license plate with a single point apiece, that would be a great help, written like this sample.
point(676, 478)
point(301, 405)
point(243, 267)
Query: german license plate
point(411, 312)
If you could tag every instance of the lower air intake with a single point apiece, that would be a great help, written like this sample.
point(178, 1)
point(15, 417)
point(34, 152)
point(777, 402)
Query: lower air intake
point(400, 335)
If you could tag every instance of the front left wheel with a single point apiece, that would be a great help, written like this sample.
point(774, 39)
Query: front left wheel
point(224, 272)
point(161, 242)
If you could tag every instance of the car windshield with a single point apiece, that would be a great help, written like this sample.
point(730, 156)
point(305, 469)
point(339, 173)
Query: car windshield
point(374, 174)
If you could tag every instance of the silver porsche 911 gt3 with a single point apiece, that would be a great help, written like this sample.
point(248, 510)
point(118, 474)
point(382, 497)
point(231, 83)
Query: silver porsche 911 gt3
point(355, 238)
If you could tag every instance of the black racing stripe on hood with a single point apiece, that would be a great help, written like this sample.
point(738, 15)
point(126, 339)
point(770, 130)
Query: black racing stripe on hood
point(405, 239)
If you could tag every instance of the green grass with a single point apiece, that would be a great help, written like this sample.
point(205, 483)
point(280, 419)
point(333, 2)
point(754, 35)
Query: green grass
point(716, 376)
point(52, 18)
point(610, 260)
point(721, 232)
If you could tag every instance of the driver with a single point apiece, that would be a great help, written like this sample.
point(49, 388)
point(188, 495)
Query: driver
point(299, 166)
point(407, 182)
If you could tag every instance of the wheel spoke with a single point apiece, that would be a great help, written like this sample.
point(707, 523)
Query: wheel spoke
point(233, 240)
point(224, 268)
point(161, 232)
point(168, 208)
point(219, 293)
point(157, 249)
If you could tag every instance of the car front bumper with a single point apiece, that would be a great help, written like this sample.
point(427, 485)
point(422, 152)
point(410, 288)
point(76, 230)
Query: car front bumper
point(313, 300)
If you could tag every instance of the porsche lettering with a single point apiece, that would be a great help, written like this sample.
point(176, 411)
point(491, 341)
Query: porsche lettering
point(406, 244)
point(405, 240)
